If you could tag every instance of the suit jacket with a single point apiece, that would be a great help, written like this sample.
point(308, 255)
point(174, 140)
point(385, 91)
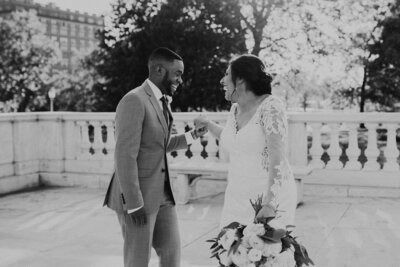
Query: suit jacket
point(142, 141)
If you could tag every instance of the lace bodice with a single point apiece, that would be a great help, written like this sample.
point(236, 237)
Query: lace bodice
point(257, 153)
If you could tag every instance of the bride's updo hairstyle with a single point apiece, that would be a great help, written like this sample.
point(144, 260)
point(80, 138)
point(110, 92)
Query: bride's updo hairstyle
point(251, 69)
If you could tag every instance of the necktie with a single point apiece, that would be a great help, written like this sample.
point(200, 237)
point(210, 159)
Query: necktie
point(164, 102)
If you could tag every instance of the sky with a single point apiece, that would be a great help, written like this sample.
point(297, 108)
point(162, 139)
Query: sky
point(98, 7)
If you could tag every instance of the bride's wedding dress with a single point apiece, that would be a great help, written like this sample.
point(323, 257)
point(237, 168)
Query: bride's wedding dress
point(257, 155)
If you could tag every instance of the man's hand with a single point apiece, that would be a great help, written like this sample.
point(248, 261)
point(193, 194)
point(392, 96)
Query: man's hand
point(138, 217)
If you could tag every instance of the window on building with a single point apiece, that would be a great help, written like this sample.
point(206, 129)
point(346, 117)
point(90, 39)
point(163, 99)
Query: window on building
point(86, 31)
point(79, 32)
point(72, 43)
point(64, 28)
point(54, 27)
point(72, 29)
point(63, 43)
point(95, 31)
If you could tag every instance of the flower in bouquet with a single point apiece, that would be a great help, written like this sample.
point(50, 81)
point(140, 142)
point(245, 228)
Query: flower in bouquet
point(255, 255)
point(228, 238)
point(240, 256)
point(271, 249)
point(264, 243)
point(284, 259)
point(254, 229)
point(225, 259)
point(256, 242)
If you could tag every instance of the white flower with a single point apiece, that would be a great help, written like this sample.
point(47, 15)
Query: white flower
point(271, 249)
point(285, 259)
point(276, 224)
point(255, 254)
point(225, 259)
point(240, 257)
point(228, 238)
point(246, 241)
point(269, 263)
point(256, 242)
point(251, 265)
point(254, 229)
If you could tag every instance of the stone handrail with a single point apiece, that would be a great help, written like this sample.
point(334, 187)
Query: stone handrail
point(83, 143)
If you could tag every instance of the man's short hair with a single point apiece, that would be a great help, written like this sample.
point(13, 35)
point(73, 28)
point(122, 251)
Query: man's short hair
point(163, 53)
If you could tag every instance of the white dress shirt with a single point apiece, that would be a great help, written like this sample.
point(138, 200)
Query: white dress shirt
point(157, 93)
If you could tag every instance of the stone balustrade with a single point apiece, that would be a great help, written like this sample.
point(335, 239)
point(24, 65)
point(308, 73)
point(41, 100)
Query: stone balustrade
point(67, 148)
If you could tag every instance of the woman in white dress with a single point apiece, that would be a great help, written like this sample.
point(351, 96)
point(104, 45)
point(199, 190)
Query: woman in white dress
point(254, 138)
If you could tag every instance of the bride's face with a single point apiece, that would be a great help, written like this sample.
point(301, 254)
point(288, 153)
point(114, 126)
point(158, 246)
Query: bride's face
point(228, 86)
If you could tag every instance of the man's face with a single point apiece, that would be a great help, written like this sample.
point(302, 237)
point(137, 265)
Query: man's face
point(173, 76)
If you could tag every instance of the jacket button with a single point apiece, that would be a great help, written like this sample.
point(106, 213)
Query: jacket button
point(162, 170)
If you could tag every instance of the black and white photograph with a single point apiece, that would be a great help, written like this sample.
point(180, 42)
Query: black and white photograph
point(199, 133)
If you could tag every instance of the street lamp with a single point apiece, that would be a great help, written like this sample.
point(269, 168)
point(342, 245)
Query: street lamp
point(52, 95)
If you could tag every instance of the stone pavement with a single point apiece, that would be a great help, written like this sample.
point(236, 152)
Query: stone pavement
point(69, 227)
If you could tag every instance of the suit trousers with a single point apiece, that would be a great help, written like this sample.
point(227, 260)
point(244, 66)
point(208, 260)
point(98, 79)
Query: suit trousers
point(161, 232)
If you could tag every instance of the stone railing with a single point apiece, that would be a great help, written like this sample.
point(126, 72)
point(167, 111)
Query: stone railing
point(65, 148)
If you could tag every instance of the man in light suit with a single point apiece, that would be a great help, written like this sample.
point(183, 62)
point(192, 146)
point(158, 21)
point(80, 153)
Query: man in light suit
point(140, 190)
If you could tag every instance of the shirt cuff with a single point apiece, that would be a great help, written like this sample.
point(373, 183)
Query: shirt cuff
point(133, 210)
point(189, 137)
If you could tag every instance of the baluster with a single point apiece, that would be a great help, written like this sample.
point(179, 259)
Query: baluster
point(391, 151)
point(353, 151)
point(110, 140)
point(98, 144)
point(334, 149)
point(372, 151)
point(196, 149)
point(211, 148)
point(316, 150)
point(84, 142)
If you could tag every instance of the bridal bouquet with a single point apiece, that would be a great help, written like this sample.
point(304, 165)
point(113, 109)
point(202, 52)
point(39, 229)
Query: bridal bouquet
point(264, 243)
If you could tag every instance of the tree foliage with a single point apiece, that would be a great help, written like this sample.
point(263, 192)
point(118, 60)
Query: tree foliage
point(384, 70)
point(206, 33)
point(75, 90)
point(255, 15)
point(26, 60)
point(346, 29)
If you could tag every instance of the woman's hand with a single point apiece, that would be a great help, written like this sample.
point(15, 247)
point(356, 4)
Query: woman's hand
point(200, 121)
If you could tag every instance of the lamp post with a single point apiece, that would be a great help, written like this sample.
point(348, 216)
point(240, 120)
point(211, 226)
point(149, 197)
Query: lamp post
point(52, 95)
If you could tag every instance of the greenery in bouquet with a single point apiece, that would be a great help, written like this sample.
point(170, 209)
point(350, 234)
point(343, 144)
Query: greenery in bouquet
point(264, 243)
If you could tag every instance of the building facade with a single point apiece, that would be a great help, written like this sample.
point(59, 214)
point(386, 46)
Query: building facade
point(74, 31)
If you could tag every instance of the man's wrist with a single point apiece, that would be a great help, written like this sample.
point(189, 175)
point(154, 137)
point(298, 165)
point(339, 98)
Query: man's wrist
point(194, 134)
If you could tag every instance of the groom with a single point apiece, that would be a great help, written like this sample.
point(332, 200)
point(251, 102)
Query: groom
point(140, 190)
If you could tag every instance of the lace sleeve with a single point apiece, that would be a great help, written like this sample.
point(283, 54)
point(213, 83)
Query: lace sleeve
point(229, 126)
point(274, 122)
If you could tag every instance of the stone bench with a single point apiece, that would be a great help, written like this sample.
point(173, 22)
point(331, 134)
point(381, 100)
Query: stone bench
point(188, 173)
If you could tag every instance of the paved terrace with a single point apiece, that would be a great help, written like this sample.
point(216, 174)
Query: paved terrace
point(68, 227)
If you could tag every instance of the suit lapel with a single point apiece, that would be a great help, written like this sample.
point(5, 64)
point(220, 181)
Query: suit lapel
point(157, 108)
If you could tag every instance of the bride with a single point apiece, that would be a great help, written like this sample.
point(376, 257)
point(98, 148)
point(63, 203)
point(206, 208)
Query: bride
point(254, 138)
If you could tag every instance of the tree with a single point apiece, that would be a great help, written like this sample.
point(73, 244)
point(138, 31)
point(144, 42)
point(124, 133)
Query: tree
point(206, 33)
point(26, 60)
point(75, 90)
point(384, 70)
point(255, 15)
point(347, 29)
